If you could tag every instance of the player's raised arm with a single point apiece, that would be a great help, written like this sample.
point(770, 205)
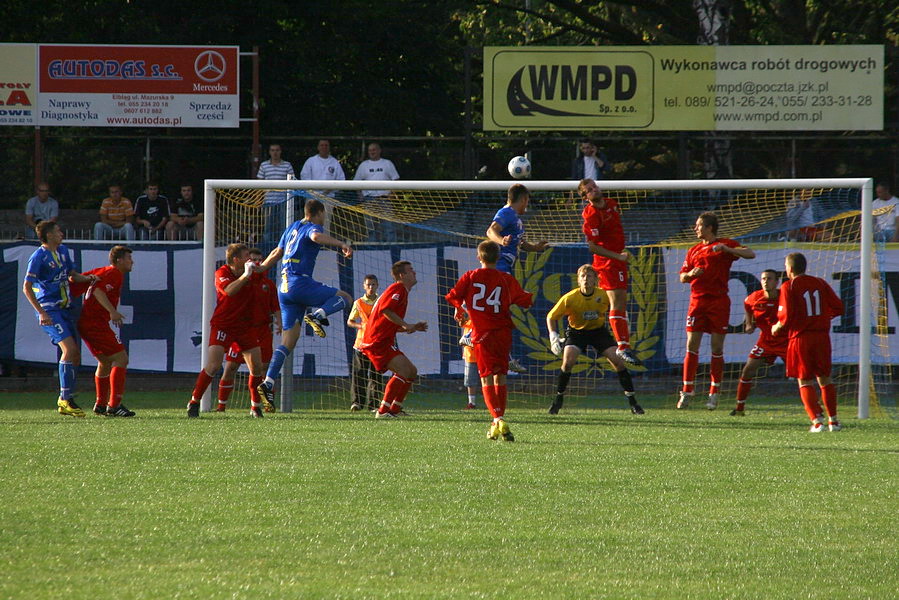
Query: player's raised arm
point(273, 257)
point(324, 239)
point(739, 251)
point(494, 234)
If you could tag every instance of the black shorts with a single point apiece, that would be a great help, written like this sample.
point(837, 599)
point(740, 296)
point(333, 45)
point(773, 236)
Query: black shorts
point(600, 339)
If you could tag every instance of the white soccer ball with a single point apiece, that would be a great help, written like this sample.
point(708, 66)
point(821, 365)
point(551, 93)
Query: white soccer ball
point(520, 167)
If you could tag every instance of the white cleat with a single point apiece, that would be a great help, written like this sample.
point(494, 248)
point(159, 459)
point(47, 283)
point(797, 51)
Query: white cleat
point(684, 400)
point(834, 426)
point(712, 404)
point(817, 426)
point(516, 367)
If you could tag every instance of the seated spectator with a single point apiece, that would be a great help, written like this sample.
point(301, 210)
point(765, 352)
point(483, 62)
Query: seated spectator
point(185, 220)
point(151, 211)
point(40, 208)
point(116, 216)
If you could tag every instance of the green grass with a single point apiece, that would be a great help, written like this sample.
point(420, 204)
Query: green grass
point(592, 503)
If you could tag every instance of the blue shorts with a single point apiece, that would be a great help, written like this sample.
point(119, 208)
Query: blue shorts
point(506, 264)
point(63, 324)
point(302, 292)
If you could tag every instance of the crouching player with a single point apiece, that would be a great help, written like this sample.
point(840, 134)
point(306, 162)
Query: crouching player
point(487, 294)
point(101, 302)
point(379, 341)
point(761, 311)
point(804, 311)
point(586, 309)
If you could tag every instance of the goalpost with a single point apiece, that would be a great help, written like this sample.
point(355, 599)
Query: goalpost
point(437, 225)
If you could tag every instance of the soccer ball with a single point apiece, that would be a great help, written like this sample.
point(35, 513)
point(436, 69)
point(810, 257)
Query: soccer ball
point(520, 167)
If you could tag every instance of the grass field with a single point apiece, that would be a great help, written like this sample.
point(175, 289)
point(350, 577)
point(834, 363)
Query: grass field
point(592, 503)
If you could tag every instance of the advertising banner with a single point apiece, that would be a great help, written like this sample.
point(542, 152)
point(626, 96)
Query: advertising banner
point(684, 88)
point(138, 86)
point(18, 84)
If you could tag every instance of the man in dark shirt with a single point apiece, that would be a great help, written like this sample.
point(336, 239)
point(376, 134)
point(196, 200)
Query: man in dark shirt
point(151, 213)
point(185, 220)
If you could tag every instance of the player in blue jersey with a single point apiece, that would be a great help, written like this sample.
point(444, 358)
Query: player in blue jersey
point(50, 269)
point(297, 290)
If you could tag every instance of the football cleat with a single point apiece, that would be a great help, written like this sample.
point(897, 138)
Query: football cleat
point(737, 413)
point(637, 409)
point(400, 413)
point(68, 407)
point(100, 409)
point(834, 426)
point(384, 415)
point(817, 426)
point(221, 407)
point(355, 407)
point(256, 412)
point(516, 367)
point(317, 324)
point(267, 393)
point(119, 411)
point(471, 406)
point(505, 432)
point(493, 432)
point(628, 356)
point(684, 400)
point(556, 406)
point(193, 410)
point(712, 404)
point(465, 340)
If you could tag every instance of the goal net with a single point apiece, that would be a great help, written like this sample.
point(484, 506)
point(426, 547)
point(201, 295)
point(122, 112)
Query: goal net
point(437, 225)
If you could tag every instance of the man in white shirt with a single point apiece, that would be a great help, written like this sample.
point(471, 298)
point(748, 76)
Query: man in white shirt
point(378, 169)
point(323, 166)
point(887, 224)
point(591, 163)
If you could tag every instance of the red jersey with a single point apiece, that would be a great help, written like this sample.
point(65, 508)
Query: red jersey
point(233, 313)
point(265, 300)
point(111, 280)
point(807, 303)
point(602, 226)
point(379, 329)
point(764, 311)
point(487, 295)
point(715, 266)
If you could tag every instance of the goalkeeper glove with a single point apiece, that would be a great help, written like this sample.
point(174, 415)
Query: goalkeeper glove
point(248, 268)
point(555, 343)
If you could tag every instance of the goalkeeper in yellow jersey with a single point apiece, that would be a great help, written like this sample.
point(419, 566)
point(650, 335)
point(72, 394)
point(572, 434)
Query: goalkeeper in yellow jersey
point(586, 309)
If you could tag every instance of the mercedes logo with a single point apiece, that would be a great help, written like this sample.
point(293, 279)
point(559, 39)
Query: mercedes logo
point(210, 66)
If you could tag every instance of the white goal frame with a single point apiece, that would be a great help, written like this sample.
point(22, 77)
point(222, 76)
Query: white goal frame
point(866, 185)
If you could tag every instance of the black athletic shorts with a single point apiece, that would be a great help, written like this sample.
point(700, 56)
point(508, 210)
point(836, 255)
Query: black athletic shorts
point(599, 338)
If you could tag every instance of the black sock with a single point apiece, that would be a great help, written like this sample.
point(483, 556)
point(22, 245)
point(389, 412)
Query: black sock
point(626, 381)
point(562, 384)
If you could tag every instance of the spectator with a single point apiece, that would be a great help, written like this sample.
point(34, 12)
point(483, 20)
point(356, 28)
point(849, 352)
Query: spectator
point(185, 220)
point(801, 218)
point(116, 216)
point(275, 168)
point(378, 169)
point(152, 213)
point(40, 208)
point(591, 163)
point(887, 224)
point(323, 166)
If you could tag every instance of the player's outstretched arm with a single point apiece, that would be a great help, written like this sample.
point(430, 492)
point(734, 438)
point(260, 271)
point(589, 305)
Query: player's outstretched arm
point(326, 240)
point(273, 257)
point(494, 234)
point(600, 251)
point(535, 247)
point(407, 327)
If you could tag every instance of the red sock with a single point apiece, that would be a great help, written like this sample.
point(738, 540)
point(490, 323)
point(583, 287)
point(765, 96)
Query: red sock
point(717, 373)
point(743, 392)
point(102, 385)
point(809, 396)
point(392, 391)
point(226, 386)
point(829, 394)
point(254, 381)
point(203, 381)
point(501, 393)
point(618, 323)
point(691, 363)
point(490, 399)
point(400, 396)
point(117, 386)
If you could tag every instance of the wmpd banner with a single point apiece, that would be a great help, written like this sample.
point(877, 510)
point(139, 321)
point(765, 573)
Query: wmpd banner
point(683, 88)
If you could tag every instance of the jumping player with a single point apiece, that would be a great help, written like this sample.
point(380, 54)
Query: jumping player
point(379, 341)
point(265, 311)
point(707, 270)
point(804, 310)
point(101, 302)
point(487, 293)
point(230, 325)
point(297, 291)
point(586, 312)
point(605, 239)
point(46, 286)
point(761, 311)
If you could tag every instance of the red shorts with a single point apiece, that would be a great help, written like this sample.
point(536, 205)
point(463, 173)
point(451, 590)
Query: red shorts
point(709, 314)
point(612, 274)
point(243, 340)
point(99, 338)
point(769, 350)
point(264, 333)
point(381, 355)
point(808, 355)
point(492, 351)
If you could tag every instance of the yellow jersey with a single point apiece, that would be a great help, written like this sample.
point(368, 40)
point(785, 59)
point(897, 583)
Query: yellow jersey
point(583, 312)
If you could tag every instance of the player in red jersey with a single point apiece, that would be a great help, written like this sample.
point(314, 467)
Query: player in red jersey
point(379, 341)
point(487, 293)
point(707, 270)
point(229, 325)
point(761, 311)
point(265, 311)
point(805, 308)
point(605, 239)
point(101, 302)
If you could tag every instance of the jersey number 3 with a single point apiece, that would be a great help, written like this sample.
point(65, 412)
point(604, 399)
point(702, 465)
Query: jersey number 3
point(493, 299)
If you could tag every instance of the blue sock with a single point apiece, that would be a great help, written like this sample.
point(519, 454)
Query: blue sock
point(278, 357)
point(333, 304)
point(66, 380)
